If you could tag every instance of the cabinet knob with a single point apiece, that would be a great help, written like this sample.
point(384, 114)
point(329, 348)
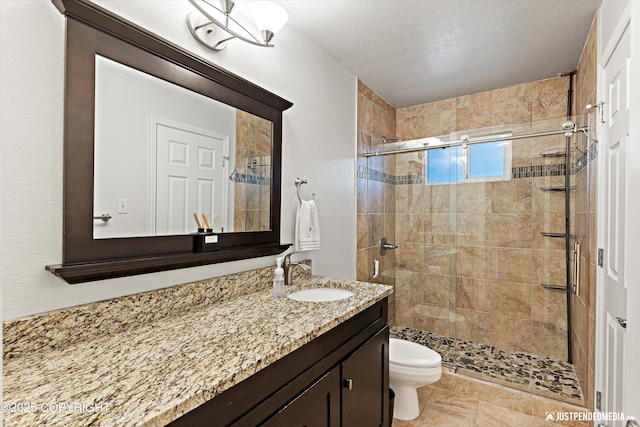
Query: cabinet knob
point(348, 383)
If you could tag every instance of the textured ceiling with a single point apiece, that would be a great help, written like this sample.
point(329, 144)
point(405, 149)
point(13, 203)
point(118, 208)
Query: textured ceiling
point(416, 51)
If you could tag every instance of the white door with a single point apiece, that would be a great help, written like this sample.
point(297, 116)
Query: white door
point(191, 177)
point(614, 279)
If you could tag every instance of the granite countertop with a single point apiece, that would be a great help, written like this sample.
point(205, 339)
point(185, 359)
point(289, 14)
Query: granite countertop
point(152, 373)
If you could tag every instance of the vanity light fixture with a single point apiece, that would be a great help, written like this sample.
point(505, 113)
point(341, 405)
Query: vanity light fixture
point(213, 26)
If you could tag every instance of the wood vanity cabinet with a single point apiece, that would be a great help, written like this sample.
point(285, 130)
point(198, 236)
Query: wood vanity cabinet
point(341, 378)
point(364, 376)
point(362, 380)
point(317, 406)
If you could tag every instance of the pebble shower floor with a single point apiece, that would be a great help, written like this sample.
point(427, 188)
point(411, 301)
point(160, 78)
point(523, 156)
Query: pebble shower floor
point(542, 375)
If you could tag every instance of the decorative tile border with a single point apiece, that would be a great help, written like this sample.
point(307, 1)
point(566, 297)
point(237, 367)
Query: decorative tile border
point(533, 171)
point(375, 175)
point(411, 179)
point(536, 171)
point(252, 179)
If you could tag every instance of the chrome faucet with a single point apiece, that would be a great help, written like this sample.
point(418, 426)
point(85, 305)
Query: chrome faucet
point(289, 267)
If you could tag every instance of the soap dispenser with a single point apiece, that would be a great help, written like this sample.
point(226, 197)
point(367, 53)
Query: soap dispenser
point(278, 279)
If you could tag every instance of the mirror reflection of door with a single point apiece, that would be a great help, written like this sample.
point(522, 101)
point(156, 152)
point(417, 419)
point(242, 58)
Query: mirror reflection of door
point(129, 105)
point(190, 169)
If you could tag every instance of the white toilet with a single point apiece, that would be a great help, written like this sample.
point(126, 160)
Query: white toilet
point(411, 366)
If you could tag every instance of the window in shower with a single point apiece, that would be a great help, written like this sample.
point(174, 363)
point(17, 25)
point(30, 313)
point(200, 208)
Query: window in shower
point(445, 165)
point(489, 161)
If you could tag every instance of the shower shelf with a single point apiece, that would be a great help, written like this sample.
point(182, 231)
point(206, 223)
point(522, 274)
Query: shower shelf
point(554, 152)
point(554, 288)
point(559, 188)
point(560, 235)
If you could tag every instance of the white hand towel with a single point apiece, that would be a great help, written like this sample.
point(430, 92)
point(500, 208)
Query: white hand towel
point(307, 233)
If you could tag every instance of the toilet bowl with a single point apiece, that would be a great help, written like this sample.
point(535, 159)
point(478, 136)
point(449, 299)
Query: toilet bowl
point(411, 366)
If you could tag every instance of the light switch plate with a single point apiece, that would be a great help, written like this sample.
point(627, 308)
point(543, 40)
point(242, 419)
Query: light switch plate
point(122, 205)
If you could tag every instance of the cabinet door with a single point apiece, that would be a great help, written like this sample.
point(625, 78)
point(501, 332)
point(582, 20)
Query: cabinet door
point(365, 381)
point(317, 406)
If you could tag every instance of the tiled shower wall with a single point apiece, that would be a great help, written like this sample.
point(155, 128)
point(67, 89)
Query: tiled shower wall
point(583, 304)
point(471, 257)
point(252, 198)
point(475, 248)
point(376, 197)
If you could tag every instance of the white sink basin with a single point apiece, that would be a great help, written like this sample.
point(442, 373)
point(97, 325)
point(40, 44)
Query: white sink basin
point(320, 294)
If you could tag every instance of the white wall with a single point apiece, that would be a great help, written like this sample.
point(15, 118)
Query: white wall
point(318, 144)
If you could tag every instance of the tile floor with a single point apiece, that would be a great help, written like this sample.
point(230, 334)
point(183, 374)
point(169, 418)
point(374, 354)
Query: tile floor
point(527, 372)
point(460, 401)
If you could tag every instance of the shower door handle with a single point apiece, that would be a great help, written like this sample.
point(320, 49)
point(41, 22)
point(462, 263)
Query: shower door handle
point(576, 268)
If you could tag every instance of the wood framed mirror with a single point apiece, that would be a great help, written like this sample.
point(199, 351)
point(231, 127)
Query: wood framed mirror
point(95, 35)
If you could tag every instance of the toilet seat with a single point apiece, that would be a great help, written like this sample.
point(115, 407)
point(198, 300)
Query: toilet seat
point(412, 355)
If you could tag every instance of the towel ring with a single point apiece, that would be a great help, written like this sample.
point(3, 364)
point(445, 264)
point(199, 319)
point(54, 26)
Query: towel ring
point(298, 183)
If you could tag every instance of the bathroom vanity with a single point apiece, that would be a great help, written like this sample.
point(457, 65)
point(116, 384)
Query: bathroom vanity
point(338, 379)
point(218, 352)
